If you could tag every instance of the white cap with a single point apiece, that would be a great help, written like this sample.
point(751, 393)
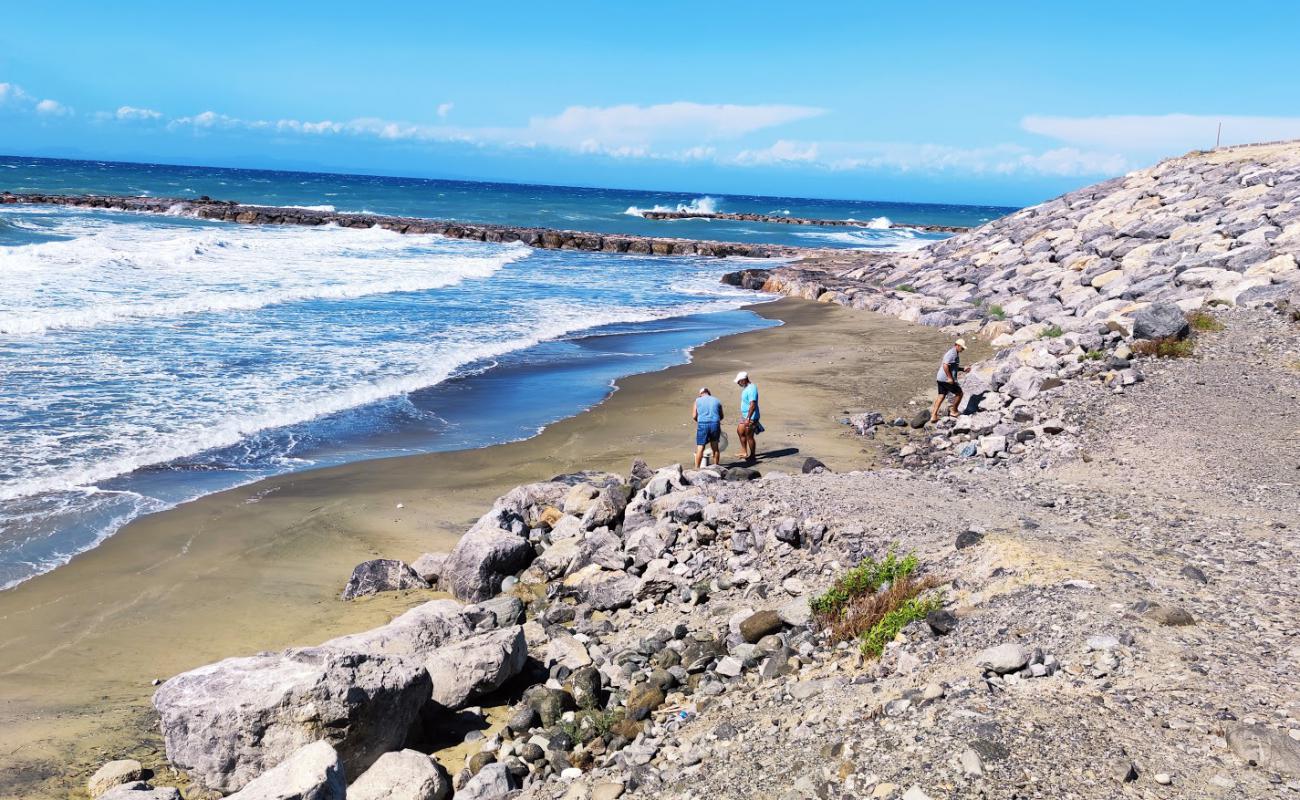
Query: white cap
point(704, 390)
point(960, 342)
point(742, 376)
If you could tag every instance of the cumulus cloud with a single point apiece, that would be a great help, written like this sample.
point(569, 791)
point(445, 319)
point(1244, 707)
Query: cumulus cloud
point(782, 151)
point(1164, 134)
point(633, 126)
point(132, 113)
point(14, 97)
point(1003, 159)
point(444, 109)
point(12, 93)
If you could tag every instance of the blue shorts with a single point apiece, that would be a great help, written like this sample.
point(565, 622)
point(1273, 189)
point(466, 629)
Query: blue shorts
point(707, 433)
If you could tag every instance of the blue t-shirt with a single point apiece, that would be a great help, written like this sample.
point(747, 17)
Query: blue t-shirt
point(708, 409)
point(749, 395)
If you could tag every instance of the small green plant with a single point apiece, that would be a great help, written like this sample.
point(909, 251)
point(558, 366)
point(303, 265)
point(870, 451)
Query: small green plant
point(1168, 347)
point(905, 287)
point(588, 726)
point(1095, 355)
point(884, 631)
point(1204, 321)
point(866, 578)
point(996, 311)
point(1053, 332)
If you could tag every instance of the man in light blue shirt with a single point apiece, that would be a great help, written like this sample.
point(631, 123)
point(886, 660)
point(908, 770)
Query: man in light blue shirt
point(749, 426)
point(708, 425)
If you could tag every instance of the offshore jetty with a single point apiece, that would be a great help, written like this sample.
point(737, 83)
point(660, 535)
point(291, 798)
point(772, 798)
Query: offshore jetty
point(1083, 586)
point(544, 238)
point(784, 220)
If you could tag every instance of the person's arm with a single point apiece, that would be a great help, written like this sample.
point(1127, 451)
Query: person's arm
point(751, 410)
point(695, 411)
point(947, 370)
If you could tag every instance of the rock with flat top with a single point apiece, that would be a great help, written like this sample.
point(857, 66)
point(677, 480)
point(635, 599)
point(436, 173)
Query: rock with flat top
point(492, 782)
point(473, 667)
point(402, 775)
point(1265, 748)
point(1003, 658)
point(382, 575)
point(312, 772)
point(229, 722)
point(481, 560)
point(113, 774)
point(415, 633)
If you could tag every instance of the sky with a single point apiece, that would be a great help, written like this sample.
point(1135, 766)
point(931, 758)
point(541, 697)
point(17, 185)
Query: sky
point(961, 102)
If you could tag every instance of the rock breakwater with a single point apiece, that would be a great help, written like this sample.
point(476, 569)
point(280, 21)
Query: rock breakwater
point(807, 221)
point(545, 238)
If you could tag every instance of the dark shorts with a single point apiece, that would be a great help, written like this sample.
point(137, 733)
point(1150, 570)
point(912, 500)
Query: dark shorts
point(946, 388)
point(707, 432)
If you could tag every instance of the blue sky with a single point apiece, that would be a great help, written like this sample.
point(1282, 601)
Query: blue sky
point(941, 101)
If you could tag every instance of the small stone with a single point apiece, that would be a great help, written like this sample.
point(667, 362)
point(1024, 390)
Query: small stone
point(1194, 574)
point(1102, 643)
point(971, 764)
point(607, 791)
point(968, 539)
point(1126, 771)
point(884, 790)
point(760, 624)
point(942, 622)
point(914, 793)
point(1164, 778)
point(1173, 616)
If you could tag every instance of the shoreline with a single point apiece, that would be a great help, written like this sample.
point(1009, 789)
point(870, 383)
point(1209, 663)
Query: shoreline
point(193, 584)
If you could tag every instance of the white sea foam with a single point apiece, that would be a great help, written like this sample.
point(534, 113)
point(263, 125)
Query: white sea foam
point(700, 205)
point(872, 238)
point(880, 223)
point(167, 271)
point(311, 208)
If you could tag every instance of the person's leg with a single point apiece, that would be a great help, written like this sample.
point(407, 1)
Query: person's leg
point(717, 454)
point(699, 455)
point(740, 437)
point(750, 444)
point(938, 403)
point(956, 403)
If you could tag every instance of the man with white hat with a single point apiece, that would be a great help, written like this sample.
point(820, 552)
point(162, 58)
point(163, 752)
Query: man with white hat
point(946, 378)
point(749, 426)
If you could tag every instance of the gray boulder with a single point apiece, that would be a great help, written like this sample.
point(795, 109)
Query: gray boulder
point(493, 782)
point(1003, 658)
point(382, 575)
point(1025, 383)
point(599, 547)
point(1161, 320)
point(402, 775)
point(475, 666)
point(1266, 748)
point(429, 566)
point(481, 560)
point(606, 511)
point(228, 722)
point(415, 633)
point(313, 772)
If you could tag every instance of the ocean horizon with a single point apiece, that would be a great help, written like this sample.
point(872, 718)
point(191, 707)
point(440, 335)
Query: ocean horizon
point(148, 360)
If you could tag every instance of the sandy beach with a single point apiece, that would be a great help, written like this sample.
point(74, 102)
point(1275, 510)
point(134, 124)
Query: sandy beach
point(260, 567)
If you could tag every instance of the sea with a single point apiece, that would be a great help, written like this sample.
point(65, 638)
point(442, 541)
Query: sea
point(148, 360)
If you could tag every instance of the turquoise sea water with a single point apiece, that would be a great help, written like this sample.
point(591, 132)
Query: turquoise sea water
point(146, 360)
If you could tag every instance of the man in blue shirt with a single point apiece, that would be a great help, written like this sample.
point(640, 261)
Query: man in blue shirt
point(708, 425)
point(749, 426)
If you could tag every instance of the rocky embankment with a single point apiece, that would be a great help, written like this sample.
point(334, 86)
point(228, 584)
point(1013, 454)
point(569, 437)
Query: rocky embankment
point(1083, 586)
point(784, 220)
point(545, 238)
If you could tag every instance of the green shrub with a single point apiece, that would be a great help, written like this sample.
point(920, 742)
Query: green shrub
point(1053, 332)
point(1095, 355)
point(995, 311)
point(905, 287)
point(866, 578)
point(884, 631)
point(1204, 321)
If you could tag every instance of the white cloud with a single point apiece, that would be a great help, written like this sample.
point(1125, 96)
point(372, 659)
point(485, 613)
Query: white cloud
point(132, 113)
point(1165, 134)
point(13, 96)
point(444, 109)
point(782, 151)
point(12, 92)
point(633, 126)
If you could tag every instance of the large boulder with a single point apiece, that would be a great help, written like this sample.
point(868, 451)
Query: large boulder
point(382, 575)
point(1161, 320)
point(415, 633)
point(481, 560)
point(1266, 748)
point(429, 566)
point(139, 790)
point(475, 666)
point(606, 511)
point(312, 772)
point(402, 775)
point(228, 722)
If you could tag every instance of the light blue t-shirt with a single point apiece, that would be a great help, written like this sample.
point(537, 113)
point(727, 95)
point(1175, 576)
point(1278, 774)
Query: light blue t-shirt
point(708, 409)
point(749, 395)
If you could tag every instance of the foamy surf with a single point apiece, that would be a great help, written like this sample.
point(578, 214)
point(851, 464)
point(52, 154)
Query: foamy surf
point(700, 205)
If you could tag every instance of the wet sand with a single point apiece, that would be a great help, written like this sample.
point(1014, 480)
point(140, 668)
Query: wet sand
point(260, 567)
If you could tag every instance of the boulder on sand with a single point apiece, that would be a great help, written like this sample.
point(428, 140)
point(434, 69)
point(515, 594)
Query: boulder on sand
point(114, 774)
point(475, 666)
point(415, 633)
point(228, 722)
point(382, 575)
point(429, 566)
point(482, 559)
point(313, 772)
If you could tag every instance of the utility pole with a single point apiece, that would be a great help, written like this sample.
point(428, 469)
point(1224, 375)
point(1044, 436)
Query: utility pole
point(1218, 136)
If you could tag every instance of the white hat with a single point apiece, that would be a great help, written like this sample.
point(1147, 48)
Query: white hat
point(742, 376)
point(960, 342)
point(704, 390)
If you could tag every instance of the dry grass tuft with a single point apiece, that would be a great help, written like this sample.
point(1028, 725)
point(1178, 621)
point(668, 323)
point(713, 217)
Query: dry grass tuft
point(877, 617)
point(1168, 347)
